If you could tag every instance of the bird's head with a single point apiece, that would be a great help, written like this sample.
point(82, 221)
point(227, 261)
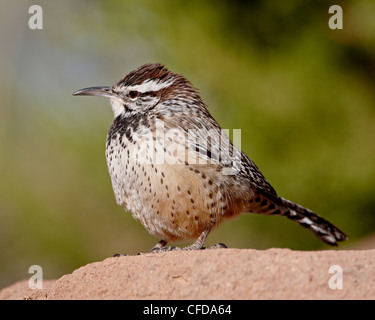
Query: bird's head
point(144, 89)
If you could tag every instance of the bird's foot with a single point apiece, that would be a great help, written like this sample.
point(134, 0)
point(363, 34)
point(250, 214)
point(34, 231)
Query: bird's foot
point(218, 246)
point(117, 255)
point(158, 248)
point(163, 249)
point(187, 248)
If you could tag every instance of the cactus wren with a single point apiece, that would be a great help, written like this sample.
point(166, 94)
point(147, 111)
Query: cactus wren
point(175, 170)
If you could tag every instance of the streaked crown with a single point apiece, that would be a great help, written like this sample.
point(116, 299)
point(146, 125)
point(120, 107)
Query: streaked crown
point(144, 89)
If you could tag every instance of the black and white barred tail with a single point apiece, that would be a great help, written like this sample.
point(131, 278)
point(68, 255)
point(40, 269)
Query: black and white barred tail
point(274, 205)
point(322, 228)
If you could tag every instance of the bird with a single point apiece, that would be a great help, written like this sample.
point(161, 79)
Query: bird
point(176, 171)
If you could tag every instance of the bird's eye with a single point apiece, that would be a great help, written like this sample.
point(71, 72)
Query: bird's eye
point(133, 94)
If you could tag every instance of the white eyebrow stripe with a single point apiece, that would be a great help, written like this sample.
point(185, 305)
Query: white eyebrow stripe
point(151, 85)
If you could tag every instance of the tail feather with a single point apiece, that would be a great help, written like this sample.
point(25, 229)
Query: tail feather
point(322, 228)
point(274, 205)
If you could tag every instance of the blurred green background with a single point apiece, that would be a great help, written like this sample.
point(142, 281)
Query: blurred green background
point(302, 94)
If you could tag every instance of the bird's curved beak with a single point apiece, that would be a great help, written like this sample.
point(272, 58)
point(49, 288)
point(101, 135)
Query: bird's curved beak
point(96, 91)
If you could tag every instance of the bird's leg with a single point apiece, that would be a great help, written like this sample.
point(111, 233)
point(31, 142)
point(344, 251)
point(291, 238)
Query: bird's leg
point(158, 247)
point(198, 244)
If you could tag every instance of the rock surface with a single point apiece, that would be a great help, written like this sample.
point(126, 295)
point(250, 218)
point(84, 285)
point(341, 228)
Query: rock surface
point(214, 274)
